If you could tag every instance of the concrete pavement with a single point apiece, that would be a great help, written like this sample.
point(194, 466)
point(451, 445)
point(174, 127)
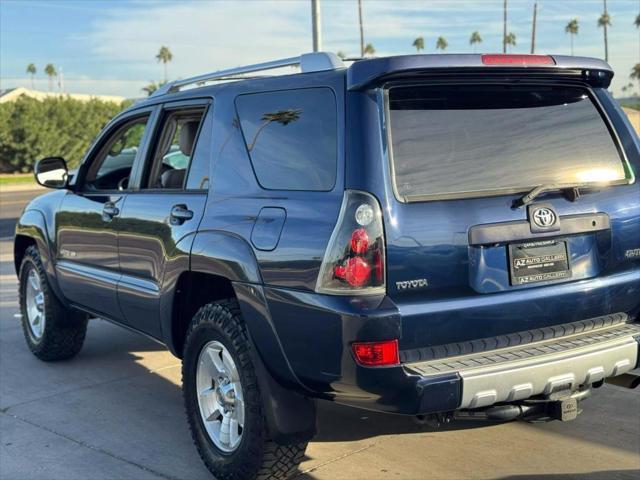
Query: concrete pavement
point(115, 412)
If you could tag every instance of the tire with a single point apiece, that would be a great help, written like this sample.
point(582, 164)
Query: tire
point(58, 334)
point(219, 327)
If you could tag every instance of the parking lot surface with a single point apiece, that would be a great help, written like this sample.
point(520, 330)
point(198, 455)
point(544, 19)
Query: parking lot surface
point(115, 412)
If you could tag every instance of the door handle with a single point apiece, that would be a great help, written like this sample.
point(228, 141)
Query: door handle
point(109, 211)
point(180, 214)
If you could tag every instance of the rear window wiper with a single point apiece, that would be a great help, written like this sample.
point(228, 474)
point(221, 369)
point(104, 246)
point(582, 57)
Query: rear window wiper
point(571, 192)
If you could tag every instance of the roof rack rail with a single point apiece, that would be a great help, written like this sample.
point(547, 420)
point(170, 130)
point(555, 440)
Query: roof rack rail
point(308, 62)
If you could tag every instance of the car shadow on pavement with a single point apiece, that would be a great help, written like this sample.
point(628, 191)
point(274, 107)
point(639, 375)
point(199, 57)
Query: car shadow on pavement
point(340, 423)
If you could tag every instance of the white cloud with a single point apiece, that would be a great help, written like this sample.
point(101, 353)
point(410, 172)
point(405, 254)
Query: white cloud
point(208, 35)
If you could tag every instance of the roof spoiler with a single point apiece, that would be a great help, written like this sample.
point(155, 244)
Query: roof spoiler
point(373, 72)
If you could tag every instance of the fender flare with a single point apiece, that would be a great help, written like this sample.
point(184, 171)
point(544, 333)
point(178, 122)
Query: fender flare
point(229, 256)
point(290, 414)
point(32, 224)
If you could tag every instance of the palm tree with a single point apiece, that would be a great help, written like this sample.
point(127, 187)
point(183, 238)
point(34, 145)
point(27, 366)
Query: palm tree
point(572, 29)
point(475, 38)
point(637, 24)
point(362, 47)
point(369, 49)
point(50, 70)
point(31, 70)
point(441, 43)
point(283, 117)
point(164, 56)
point(605, 21)
point(635, 73)
point(150, 88)
point(504, 27)
point(418, 43)
point(510, 39)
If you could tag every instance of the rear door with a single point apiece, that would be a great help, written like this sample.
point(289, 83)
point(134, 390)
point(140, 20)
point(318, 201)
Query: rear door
point(88, 219)
point(163, 210)
point(466, 260)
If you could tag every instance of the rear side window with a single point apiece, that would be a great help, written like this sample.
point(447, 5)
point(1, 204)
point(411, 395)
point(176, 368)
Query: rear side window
point(291, 137)
point(474, 140)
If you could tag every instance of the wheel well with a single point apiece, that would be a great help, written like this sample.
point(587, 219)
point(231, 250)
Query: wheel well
point(20, 245)
point(195, 289)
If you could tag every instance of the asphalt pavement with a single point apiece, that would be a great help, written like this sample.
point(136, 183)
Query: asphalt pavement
point(115, 412)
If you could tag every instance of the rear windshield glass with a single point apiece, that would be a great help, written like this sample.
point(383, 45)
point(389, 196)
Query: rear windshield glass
point(467, 140)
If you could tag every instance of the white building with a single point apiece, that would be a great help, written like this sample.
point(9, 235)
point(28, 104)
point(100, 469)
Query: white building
point(12, 94)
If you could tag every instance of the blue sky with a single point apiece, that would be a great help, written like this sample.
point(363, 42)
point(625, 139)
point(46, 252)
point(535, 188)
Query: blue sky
point(109, 47)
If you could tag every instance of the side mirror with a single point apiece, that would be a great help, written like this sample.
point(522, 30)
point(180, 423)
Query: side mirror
point(51, 172)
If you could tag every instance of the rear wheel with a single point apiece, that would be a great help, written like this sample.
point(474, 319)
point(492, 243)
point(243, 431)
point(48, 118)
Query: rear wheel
point(52, 331)
point(223, 401)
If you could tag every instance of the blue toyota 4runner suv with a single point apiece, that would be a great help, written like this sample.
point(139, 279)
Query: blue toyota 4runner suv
point(435, 235)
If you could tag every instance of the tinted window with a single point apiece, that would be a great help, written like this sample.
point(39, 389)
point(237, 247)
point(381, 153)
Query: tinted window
point(198, 178)
point(465, 140)
point(175, 146)
point(291, 137)
point(112, 167)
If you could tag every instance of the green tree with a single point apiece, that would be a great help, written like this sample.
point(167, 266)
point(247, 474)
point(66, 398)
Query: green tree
point(164, 56)
point(31, 129)
point(369, 49)
point(637, 21)
point(341, 54)
point(50, 70)
point(635, 74)
point(441, 43)
point(475, 39)
point(418, 43)
point(510, 39)
point(151, 87)
point(605, 21)
point(572, 29)
point(31, 70)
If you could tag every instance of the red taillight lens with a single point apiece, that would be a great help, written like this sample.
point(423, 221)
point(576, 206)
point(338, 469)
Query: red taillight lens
point(355, 271)
point(508, 59)
point(376, 354)
point(354, 263)
point(359, 241)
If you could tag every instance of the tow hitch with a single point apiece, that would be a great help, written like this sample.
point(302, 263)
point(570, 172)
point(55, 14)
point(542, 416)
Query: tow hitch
point(563, 406)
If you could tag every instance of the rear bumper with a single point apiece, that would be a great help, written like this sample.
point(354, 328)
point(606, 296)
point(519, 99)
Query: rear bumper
point(316, 331)
point(513, 374)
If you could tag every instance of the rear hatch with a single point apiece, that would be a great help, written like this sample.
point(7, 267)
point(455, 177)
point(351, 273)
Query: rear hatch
point(469, 254)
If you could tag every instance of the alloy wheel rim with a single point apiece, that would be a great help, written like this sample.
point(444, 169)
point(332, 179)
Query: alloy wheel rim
point(220, 396)
point(34, 300)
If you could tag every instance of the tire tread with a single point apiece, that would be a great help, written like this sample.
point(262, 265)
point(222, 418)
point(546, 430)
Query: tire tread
point(265, 460)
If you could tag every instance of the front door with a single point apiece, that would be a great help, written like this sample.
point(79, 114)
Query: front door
point(87, 221)
point(162, 212)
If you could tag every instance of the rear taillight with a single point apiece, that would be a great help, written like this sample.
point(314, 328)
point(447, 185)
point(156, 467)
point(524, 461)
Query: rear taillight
point(354, 261)
point(508, 59)
point(376, 354)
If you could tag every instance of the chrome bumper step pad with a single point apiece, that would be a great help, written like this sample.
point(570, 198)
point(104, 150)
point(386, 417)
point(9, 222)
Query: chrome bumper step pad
point(512, 374)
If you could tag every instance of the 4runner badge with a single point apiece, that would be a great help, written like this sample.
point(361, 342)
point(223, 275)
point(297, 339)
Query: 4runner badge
point(633, 253)
point(412, 284)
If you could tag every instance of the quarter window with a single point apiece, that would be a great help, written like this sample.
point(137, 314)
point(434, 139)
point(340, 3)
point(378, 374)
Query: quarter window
point(291, 137)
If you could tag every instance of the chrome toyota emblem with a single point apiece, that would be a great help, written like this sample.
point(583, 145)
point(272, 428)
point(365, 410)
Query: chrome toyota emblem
point(544, 217)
